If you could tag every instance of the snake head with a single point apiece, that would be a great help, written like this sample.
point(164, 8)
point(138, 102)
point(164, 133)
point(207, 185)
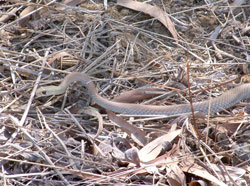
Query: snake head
point(41, 92)
point(47, 91)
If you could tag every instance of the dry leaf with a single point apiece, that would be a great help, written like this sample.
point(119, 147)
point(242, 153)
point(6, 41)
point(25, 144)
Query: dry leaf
point(203, 173)
point(174, 173)
point(197, 182)
point(131, 155)
point(73, 2)
point(58, 56)
point(153, 11)
point(173, 182)
point(227, 124)
point(5, 17)
point(153, 149)
point(138, 95)
point(235, 173)
point(23, 22)
point(69, 3)
point(136, 134)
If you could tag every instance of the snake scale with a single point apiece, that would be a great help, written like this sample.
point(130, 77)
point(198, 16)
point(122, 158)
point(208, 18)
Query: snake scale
point(224, 101)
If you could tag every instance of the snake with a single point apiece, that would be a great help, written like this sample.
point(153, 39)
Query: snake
point(212, 105)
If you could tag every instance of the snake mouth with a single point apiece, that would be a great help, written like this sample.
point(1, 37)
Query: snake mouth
point(213, 105)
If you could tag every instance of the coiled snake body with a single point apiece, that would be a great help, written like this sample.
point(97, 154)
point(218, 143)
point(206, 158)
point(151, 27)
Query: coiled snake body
point(226, 100)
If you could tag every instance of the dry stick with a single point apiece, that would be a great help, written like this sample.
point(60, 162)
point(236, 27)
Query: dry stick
point(42, 119)
point(82, 129)
point(43, 154)
point(23, 119)
point(148, 82)
point(24, 116)
point(3, 60)
point(219, 85)
point(20, 69)
point(163, 86)
point(30, 13)
point(95, 64)
point(76, 172)
point(9, 104)
point(195, 127)
point(13, 90)
point(219, 160)
point(191, 100)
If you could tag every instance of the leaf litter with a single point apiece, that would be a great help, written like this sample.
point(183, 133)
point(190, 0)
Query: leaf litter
point(123, 46)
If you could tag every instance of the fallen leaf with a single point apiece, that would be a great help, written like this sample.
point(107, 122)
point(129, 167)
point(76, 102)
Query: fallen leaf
point(201, 172)
point(24, 21)
point(136, 134)
point(175, 174)
point(153, 149)
point(73, 2)
point(5, 17)
point(153, 11)
point(58, 56)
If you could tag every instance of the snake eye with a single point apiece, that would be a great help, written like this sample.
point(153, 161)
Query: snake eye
point(44, 92)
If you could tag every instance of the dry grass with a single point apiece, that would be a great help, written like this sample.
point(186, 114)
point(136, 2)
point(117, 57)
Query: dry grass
point(121, 49)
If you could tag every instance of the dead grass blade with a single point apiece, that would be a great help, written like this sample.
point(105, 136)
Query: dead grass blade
point(153, 11)
point(87, 175)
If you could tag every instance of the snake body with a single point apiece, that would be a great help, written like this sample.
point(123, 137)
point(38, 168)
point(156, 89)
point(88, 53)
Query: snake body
point(226, 100)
